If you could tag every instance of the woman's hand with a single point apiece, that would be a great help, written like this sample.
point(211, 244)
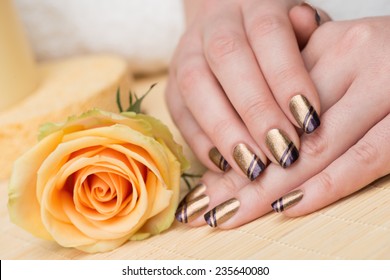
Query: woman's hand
point(349, 62)
point(238, 84)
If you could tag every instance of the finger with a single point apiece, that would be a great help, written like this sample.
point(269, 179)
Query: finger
point(330, 142)
point(341, 58)
point(325, 36)
point(215, 116)
point(195, 137)
point(370, 156)
point(305, 19)
point(233, 63)
point(273, 41)
point(213, 189)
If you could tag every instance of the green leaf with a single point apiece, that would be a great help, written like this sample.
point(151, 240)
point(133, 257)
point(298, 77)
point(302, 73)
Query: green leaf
point(134, 101)
point(118, 100)
point(185, 177)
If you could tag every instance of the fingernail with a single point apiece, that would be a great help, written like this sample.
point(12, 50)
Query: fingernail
point(287, 201)
point(317, 16)
point(192, 209)
point(304, 113)
point(218, 159)
point(196, 192)
point(249, 163)
point(222, 212)
point(282, 148)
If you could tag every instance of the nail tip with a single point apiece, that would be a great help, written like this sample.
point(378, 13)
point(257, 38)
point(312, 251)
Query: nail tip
point(292, 158)
point(317, 17)
point(287, 201)
point(207, 218)
point(226, 166)
point(314, 123)
point(192, 209)
point(179, 217)
point(259, 168)
point(273, 205)
point(216, 157)
point(256, 174)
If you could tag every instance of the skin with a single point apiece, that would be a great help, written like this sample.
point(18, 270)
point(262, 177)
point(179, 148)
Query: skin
point(350, 149)
point(253, 42)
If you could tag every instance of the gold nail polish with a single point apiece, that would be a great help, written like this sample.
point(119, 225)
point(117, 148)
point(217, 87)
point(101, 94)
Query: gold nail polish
point(304, 113)
point(249, 163)
point(222, 212)
point(282, 148)
point(192, 209)
point(218, 159)
point(194, 193)
point(287, 201)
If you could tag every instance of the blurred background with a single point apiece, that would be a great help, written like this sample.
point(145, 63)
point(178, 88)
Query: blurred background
point(144, 31)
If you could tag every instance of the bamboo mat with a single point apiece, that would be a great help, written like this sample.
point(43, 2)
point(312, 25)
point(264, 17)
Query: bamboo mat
point(357, 227)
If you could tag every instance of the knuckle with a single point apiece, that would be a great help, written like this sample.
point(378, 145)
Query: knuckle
point(255, 108)
point(222, 44)
point(228, 184)
point(188, 77)
point(364, 153)
point(314, 145)
point(260, 194)
point(264, 25)
point(326, 184)
point(221, 130)
point(356, 36)
point(287, 74)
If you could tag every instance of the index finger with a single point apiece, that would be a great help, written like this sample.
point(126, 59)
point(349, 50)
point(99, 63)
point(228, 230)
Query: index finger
point(272, 38)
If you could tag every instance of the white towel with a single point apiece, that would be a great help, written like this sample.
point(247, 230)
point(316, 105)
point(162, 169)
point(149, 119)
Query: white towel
point(144, 31)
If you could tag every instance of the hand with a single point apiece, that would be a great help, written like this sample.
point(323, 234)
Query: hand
point(236, 74)
point(348, 62)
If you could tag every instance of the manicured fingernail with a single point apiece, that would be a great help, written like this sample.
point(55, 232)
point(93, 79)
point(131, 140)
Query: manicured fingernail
point(196, 192)
point(222, 212)
point(218, 159)
point(192, 209)
point(317, 16)
point(304, 113)
point(287, 201)
point(282, 148)
point(249, 163)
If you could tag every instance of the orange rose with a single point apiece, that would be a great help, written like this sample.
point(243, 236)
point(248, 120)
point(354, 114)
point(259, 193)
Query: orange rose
point(98, 180)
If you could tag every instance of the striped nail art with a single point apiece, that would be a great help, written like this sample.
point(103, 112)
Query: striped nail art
point(218, 159)
point(304, 113)
point(282, 148)
point(192, 209)
point(287, 201)
point(194, 193)
point(222, 212)
point(249, 163)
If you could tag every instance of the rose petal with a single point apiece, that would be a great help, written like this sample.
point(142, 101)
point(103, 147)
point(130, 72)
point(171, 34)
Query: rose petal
point(163, 220)
point(23, 205)
point(124, 135)
point(53, 162)
point(161, 131)
point(103, 245)
point(51, 199)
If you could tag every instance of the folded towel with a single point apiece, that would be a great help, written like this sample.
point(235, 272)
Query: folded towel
point(144, 31)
